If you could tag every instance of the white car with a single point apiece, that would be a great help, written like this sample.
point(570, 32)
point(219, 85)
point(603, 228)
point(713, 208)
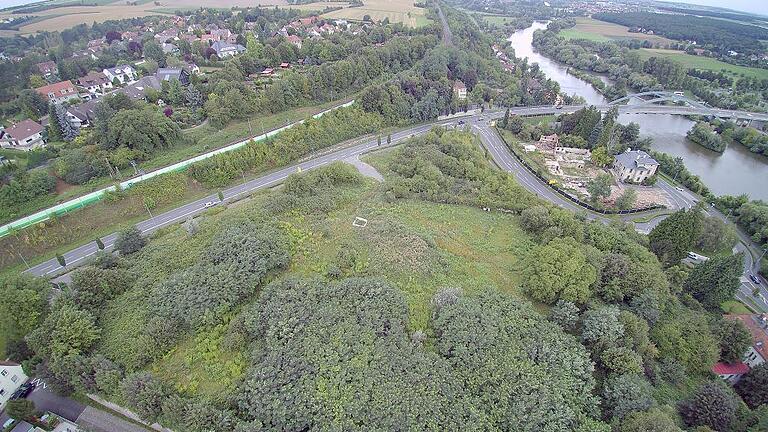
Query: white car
point(209, 204)
point(680, 189)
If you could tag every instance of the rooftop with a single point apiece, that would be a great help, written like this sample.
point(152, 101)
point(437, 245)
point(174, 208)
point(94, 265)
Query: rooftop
point(634, 158)
point(737, 368)
point(23, 129)
point(61, 88)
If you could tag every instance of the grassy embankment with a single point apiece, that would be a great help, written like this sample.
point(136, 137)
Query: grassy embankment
point(706, 63)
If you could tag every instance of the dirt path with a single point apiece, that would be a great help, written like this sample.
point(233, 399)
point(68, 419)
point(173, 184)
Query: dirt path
point(447, 35)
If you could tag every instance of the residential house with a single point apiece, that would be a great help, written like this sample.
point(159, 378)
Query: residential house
point(169, 48)
point(59, 92)
point(82, 115)
point(267, 73)
point(308, 21)
point(12, 376)
point(209, 38)
point(166, 35)
point(634, 166)
point(168, 74)
point(129, 36)
point(95, 83)
point(86, 53)
point(757, 324)
point(48, 68)
point(295, 40)
point(124, 74)
point(137, 90)
point(96, 44)
point(224, 49)
point(460, 90)
point(193, 68)
point(223, 35)
point(190, 37)
point(327, 28)
point(730, 372)
point(211, 27)
point(285, 65)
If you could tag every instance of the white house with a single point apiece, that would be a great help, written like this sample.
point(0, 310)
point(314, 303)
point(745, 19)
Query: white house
point(224, 49)
point(95, 83)
point(460, 90)
point(757, 325)
point(125, 74)
point(634, 166)
point(12, 376)
point(24, 135)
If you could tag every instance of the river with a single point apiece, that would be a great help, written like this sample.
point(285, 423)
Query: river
point(736, 171)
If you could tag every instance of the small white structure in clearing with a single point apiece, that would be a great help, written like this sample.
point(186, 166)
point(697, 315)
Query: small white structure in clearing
point(529, 148)
point(360, 222)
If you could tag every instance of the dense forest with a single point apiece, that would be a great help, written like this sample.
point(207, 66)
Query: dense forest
point(721, 35)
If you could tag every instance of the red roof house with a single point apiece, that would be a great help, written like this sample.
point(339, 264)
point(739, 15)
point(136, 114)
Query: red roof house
point(59, 92)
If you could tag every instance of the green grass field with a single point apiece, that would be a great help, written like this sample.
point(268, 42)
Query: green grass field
point(706, 63)
point(599, 31)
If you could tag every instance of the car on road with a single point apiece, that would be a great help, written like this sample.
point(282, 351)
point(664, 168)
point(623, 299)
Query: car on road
point(680, 189)
point(754, 279)
point(461, 122)
point(209, 204)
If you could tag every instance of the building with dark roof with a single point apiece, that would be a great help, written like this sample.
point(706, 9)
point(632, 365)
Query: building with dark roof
point(169, 74)
point(24, 135)
point(634, 166)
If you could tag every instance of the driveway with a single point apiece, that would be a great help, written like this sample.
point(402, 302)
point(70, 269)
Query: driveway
point(46, 400)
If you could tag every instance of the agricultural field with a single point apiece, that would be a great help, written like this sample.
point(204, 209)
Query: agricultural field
point(396, 10)
point(65, 17)
point(594, 30)
point(706, 63)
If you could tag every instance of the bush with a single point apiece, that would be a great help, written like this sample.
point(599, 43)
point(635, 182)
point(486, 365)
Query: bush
point(129, 241)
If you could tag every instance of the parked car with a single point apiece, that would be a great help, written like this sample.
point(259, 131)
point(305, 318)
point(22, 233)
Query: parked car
point(754, 279)
point(7, 424)
point(23, 391)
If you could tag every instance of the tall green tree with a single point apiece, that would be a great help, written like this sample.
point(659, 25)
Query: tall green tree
point(712, 405)
point(753, 387)
point(735, 339)
point(558, 271)
point(715, 280)
point(674, 237)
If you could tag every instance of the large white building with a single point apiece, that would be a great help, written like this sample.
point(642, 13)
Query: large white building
point(124, 74)
point(12, 376)
point(24, 135)
point(634, 166)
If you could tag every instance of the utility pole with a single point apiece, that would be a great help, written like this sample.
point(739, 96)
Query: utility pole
point(148, 211)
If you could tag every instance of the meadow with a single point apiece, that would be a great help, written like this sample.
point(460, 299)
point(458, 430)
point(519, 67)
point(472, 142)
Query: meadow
point(402, 11)
point(701, 62)
point(598, 31)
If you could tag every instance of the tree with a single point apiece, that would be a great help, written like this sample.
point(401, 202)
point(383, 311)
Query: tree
point(193, 97)
point(378, 140)
point(54, 128)
point(558, 270)
point(20, 409)
point(389, 139)
point(505, 121)
point(715, 235)
point(735, 339)
point(601, 326)
point(627, 200)
point(712, 405)
point(715, 280)
point(565, 314)
point(61, 260)
point(515, 124)
point(753, 387)
point(129, 241)
point(23, 305)
point(621, 360)
point(599, 188)
point(154, 52)
point(92, 287)
point(626, 394)
point(601, 157)
point(145, 394)
point(67, 130)
point(220, 195)
point(99, 243)
point(66, 331)
point(673, 237)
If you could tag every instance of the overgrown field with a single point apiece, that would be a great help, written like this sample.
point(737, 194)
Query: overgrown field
point(599, 31)
point(402, 11)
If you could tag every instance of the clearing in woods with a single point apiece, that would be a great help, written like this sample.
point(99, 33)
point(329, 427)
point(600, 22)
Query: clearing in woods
point(402, 11)
point(599, 31)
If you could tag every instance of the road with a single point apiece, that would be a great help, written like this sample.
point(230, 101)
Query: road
point(489, 138)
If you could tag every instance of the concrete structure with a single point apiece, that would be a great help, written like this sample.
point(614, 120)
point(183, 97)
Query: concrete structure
point(24, 135)
point(59, 92)
point(460, 90)
point(12, 376)
point(124, 74)
point(548, 144)
point(634, 166)
point(225, 49)
point(730, 372)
